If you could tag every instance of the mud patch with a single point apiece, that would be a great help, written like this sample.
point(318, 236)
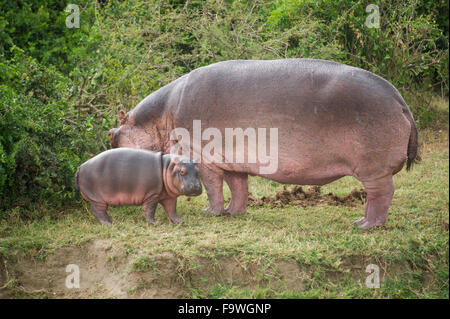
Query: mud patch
point(99, 275)
point(204, 272)
point(3, 275)
point(109, 273)
point(311, 197)
point(161, 276)
point(3, 279)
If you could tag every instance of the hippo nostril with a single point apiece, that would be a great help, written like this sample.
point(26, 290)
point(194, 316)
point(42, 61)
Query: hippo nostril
point(192, 190)
point(198, 189)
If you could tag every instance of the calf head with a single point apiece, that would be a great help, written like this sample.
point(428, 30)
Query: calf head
point(180, 176)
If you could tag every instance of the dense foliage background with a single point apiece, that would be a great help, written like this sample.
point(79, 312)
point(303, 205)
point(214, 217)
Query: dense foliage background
point(61, 88)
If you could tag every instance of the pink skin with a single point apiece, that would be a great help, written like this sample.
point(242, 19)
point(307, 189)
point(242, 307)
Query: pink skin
point(333, 121)
point(149, 208)
point(238, 184)
point(379, 197)
point(136, 177)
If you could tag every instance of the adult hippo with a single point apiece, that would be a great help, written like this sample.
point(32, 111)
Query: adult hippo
point(333, 120)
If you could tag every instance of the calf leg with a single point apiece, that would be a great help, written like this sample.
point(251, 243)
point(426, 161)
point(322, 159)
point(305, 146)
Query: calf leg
point(379, 197)
point(238, 183)
point(213, 182)
point(99, 211)
point(149, 208)
point(170, 206)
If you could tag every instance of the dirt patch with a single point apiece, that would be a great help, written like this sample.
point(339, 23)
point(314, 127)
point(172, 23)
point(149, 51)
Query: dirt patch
point(291, 275)
point(109, 273)
point(204, 272)
point(299, 197)
point(3, 279)
point(162, 277)
point(3, 274)
point(98, 275)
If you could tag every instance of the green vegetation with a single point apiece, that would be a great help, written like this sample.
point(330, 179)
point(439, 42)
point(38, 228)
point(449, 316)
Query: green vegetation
point(61, 90)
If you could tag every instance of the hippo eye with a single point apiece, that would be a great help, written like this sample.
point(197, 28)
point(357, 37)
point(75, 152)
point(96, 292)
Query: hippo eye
point(183, 171)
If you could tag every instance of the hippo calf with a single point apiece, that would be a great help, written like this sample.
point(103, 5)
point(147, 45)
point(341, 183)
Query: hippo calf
point(128, 176)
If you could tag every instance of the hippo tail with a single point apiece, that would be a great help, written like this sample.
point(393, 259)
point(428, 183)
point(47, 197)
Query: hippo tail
point(413, 144)
point(75, 180)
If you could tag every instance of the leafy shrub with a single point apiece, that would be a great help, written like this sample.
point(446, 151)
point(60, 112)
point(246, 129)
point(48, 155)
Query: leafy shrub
point(410, 48)
point(41, 140)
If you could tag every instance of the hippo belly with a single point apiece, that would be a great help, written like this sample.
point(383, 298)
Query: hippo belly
point(120, 177)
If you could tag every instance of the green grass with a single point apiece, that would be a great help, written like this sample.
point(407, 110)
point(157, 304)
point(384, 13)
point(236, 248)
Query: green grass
point(411, 250)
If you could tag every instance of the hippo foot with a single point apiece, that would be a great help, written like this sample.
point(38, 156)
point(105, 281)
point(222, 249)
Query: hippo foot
point(102, 218)
point(360, 221)
point(176, 220)
point(366, 224)
point(214, 212)
point(234, 212)
point(152, 221)
point(105, 222)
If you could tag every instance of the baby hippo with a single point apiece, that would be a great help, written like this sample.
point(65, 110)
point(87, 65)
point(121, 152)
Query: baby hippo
point(128, 176)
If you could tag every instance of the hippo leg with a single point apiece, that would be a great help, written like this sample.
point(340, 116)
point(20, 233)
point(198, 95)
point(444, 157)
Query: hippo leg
point(170, 206)
point(362, 220)
point(379, 197)
point(99, 211)
point(214, 189)
point(149, 208)
point(238, 183)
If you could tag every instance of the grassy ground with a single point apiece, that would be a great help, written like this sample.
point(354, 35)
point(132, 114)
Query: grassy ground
point(281, 252)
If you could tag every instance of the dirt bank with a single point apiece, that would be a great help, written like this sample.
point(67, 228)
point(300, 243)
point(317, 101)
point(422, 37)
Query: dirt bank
point(108, 273)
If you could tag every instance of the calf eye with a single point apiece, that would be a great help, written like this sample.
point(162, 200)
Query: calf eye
point(183, 171)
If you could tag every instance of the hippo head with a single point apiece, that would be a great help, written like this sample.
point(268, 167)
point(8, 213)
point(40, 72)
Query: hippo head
point(122, 136)
point(128, 134)
point(115, 135)
point(181, 176)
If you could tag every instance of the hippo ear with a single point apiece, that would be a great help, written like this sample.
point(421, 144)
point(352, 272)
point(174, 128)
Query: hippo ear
point(122, 117)
point(173, 163)
point(171, 166)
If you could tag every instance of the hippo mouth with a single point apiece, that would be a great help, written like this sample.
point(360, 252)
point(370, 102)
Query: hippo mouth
point(192, 190)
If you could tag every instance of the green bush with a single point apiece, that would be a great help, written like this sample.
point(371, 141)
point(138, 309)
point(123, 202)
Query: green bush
point(410, 48)
point(42, 142)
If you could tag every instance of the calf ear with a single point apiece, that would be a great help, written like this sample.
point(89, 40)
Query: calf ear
point(122, 117)
point(173, 164)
